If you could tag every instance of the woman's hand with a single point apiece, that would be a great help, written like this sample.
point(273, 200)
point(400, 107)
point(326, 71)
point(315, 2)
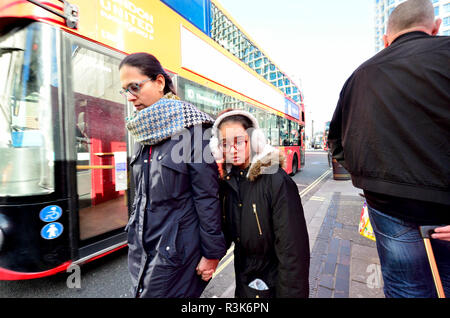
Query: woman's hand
point(442, 233)
point(206, 268)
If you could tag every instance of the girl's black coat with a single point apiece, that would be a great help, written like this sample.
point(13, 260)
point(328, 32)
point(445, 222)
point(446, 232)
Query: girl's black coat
point(263, 216)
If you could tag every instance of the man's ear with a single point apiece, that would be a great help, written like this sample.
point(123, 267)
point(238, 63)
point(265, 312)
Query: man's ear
point(386, 41)
point(437, 25)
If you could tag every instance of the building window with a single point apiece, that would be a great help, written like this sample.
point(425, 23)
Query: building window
point(230, 37)
point(447, 21)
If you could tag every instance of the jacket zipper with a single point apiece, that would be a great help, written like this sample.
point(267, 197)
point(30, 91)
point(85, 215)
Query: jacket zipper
point(223, 208)
point(257, 218)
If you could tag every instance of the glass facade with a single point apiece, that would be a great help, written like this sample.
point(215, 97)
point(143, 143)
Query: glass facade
point(229, 36)
point(28, 102)
point(383, 8)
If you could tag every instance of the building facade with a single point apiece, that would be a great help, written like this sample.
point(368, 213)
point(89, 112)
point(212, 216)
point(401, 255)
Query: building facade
point(383, 9)
point(232, 38)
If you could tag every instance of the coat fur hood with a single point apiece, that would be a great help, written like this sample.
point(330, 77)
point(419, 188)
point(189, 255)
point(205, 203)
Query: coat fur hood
point(267, 162)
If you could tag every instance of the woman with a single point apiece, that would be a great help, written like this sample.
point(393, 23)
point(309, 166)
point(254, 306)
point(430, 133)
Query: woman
point(262, 211)
point(174, 232)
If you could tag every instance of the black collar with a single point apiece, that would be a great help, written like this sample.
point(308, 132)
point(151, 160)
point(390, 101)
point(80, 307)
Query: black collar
point(410, 36)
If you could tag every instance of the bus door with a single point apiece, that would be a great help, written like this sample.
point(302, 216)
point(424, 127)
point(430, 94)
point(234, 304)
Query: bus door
point(100, 144)
point(302, 146)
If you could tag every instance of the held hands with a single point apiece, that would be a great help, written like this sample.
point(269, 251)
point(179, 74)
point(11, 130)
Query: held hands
point(442, 233)
point(206, 268)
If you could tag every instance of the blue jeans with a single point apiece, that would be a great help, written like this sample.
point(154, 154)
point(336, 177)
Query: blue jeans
point(404, 263)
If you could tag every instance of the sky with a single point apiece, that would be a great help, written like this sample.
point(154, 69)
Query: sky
point(321, 42)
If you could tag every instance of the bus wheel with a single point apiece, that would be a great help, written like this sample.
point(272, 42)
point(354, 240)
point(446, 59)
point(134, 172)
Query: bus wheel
point(294, 165)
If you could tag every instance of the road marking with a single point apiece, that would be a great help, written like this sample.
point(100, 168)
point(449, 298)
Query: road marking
point(305, 191)
point(314, 198)
point(316, 182)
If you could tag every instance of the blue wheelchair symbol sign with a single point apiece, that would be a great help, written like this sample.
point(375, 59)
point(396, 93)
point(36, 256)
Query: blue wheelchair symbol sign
point(52, 230)
point(50, 213)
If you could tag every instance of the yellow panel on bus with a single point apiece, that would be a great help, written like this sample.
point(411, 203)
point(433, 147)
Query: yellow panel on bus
point(128, 26)
point(138, 26)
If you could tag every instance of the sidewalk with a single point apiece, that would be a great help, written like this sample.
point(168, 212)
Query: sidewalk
point(344, 264)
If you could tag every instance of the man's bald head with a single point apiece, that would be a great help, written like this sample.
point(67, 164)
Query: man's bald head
point(411, 15)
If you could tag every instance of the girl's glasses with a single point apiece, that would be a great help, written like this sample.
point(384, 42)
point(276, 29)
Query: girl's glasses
point(239, 144)
point(134, 88)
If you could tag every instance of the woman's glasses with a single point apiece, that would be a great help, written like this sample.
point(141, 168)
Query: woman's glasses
point(134, 88)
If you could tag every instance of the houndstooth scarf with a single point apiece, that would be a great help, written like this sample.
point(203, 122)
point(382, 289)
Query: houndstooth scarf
point(163, 119)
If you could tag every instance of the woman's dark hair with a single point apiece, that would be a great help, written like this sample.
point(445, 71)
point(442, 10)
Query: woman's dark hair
point(149, 66)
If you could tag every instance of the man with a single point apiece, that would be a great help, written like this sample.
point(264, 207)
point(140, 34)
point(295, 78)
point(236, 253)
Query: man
point(391, 131)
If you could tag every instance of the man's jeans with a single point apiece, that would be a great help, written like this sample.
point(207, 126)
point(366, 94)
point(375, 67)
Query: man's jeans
point(404, 263)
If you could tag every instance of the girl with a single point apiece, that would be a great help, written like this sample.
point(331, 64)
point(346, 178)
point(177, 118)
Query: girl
point(262, 211)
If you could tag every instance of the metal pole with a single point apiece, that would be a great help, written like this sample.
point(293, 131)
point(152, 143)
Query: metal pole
point(434, 269)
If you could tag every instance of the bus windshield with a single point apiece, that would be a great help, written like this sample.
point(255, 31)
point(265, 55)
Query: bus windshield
point(28, 98)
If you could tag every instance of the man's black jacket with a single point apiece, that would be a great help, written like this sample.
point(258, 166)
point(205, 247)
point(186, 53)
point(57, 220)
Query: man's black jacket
point(391, 127)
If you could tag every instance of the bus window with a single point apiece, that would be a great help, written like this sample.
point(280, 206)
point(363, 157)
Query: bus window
point(203, 98)
point(100, 132)
point(294, 137)
point(28, 102)
point(249, 108)
point(261, 116)
point(284, 131)
point(274, 130)
point(206, 99)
